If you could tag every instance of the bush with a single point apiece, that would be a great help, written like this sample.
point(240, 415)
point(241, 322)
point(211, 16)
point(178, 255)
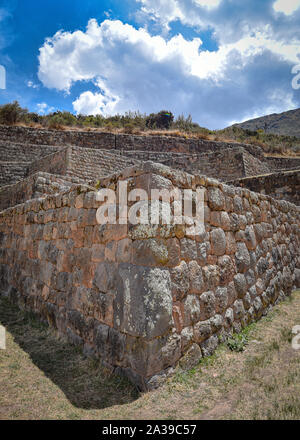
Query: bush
point(237, 342)
point(12, 113)
point(163, 120)
point(56, 122)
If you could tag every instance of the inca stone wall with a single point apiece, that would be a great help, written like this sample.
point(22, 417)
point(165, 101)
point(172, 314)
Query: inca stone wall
point(284, 185)
point(34, 186)
point(144, 298)
point(101, 140)
point(283, 163)
point(94, 164)
point(227, 164)
point(15, 158)
point(88, 155)
point(12, 172)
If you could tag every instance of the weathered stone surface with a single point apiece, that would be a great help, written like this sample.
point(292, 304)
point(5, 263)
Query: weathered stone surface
point(105, 278)
point(202, 331)
point(180, 280)
point(216, 199)
point(238, 309)
point(250, 238)
point(144, 301)
point(227, 269)
point(216, 322)
point(242, 258)
point(188, 249)
point(221, 295)
point(207, 305)
point(211, 275)
point(196, 277)
point(152, 252)
point(209, 345)
point(191, 358)
point(192, 312)
point(218, 241)
point(240, 285)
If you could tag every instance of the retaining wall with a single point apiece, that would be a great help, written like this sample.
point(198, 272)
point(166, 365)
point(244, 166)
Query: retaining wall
point(37, 185)
point(101, 140)
point(284, 185)
point(146, 297)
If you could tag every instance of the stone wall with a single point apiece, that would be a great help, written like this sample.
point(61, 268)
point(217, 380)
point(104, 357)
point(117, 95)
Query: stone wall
point(284, 185)
point(102, 140)
point(37, 185)
point(146, 297)
point(23, 152)
point(35, 136)
point(88, 163)
point(12, 172)
point(55, 163)
point(226, 164)
point(282, 163)
point(15, 159)
point(253, 166)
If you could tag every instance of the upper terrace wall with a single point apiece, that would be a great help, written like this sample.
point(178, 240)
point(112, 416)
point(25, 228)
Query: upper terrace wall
point(91, 164)
point(283, 163)
point(84, 163)
point(143, 296)
point(12, 172)
point(55, 163)
point(34, 186)
point(23, 152)
point(226, 164)
point(284, 185)
point(94, 139)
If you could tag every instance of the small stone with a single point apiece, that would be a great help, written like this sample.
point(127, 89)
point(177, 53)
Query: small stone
point(191, 358)
point(242, 257)
point(240, 285)
point(209, 346)
point(216, 199)
point(218, 242)
point(191, 307)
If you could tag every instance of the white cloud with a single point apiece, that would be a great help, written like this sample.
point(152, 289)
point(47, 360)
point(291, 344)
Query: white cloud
point(209, 4)
point(89, 103)
point(43, 108)
point(32, 85)
point(134, 70)
point(288, 7)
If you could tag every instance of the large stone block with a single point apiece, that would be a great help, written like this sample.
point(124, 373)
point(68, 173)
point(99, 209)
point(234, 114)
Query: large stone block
point(143, 305)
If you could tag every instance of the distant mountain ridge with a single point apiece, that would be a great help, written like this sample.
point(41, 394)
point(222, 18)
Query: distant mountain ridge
point(286, 123)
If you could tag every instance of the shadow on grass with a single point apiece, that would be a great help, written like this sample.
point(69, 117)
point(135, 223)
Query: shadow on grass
point(84, 382)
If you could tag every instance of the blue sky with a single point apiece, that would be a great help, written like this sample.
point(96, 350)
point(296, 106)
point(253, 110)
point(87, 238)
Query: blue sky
point(222, 61)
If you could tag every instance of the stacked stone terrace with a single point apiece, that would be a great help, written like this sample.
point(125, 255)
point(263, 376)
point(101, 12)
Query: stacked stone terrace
point(144, 298)
point(90, 156)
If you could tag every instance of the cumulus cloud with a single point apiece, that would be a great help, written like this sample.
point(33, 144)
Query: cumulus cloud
point(32, 85)
point(134, 70)
point(288, 7)
point(43, 108)
point(229, 19)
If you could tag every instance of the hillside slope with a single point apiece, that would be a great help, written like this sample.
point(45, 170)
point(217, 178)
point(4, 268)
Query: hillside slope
point(287, 123)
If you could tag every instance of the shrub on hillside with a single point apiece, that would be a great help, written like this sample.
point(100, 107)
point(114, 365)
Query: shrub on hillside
point(162, 120)
point(12, 113)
